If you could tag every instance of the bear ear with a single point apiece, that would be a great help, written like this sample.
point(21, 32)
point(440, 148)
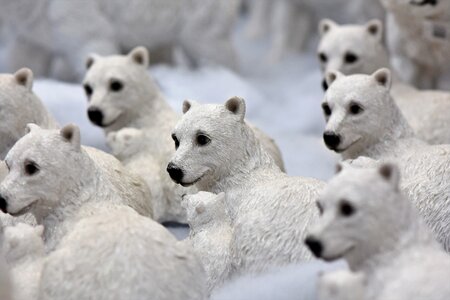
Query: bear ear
point(188, 104)
point(140, 56)
point(31, 127)
point(199, 209)
point(39, 230)
point(339, 167)
point(326, 25)
point(383, 77)
point(24, 77)
point(331, 76)
point(71, 133)
point(375, 28)
point(91, 60)
point(236, 105)
point(391, 173)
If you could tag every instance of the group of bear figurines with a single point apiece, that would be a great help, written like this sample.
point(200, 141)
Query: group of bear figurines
point(78, 223)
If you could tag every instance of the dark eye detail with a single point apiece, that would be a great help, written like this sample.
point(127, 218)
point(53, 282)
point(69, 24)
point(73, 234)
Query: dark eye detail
point(326, 109)
point(116, 85)
point(350, 58)
point(323, 57)
point(31, 168)
point(87, 89)
point(177, 143)
point(346, 209)
point(202, 140)
point(319, 207)
point(355, 109)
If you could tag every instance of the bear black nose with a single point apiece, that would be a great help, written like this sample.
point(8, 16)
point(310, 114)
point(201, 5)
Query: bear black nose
point(3, 204)
point(332, 140)
point(314, 245)
point(175, 173)
point(324, 85)
point(95, 115)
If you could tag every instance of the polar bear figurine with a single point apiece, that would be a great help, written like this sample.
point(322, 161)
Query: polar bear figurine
point(24, 251)
point(353, 49)
point(18, 107)
point(210, 234)
point(363, 120)
point(94, 177)
point(366, 220)
point(341, 285)
point(128, 257)
point(49, 29)
point(419, 59)
point(111, 79)
point(218, 152)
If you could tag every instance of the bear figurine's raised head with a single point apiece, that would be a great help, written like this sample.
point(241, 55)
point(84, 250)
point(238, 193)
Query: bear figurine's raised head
point(115, 85)
point(205, 208)
point(358, 111)
point(210, 140)
point(362, 214)
point(44, 165)
point(351, 49)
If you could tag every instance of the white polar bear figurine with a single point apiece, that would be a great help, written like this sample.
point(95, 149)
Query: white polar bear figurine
point(353, 49)
point(341, 285)
point(363, 120)
point(114, 253)
point(50, 29)
point(210, 234)
point(122, 94)
point(366, 220)
point(218, 152)
point(18, 107)
point(94, 176)
point(24, 251)
point(419, 59)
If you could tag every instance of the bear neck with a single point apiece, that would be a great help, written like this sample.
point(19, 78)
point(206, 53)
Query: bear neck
point(90, 187)
point(408, 235)
point(253, 159)
point(391, 143)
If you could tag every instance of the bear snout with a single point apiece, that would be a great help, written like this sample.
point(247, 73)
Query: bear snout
point(314, 245)
point(175, 172)
point(3, 205)
point(95, 115)
point(331, 139)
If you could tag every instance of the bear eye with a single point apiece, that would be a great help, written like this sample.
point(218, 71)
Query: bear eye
point(116, 85)
point(177, 142)
point(202, 140)
point(319, 207)
point(350, 58)
point(31, 168)
point(346, 208)
point(326, 109)
point(355, 109)
point(323, 57)
point(87, 89)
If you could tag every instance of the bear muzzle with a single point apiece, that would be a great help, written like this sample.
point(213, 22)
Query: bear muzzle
point(175, 172)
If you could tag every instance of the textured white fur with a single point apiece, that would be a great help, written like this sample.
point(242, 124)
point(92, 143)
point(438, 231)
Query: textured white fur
point(210, 234)
point(69, 176)
point(5, 280)
point(418, 59)
point(289, 22)
point(426, 111)
point(269, 210)
point(341, 285)
point(19, 106)
point(140, 104)
point(381, 132)
point(24, 250)
point(114, 253)
point(384, 239)
point(50, 29)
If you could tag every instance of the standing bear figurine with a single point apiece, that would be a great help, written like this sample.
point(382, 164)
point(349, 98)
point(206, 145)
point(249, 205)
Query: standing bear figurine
point(367, 221)
point(122, 94)
point(269, 211)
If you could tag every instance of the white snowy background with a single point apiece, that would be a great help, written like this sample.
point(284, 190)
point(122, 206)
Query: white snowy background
point(282, 99)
